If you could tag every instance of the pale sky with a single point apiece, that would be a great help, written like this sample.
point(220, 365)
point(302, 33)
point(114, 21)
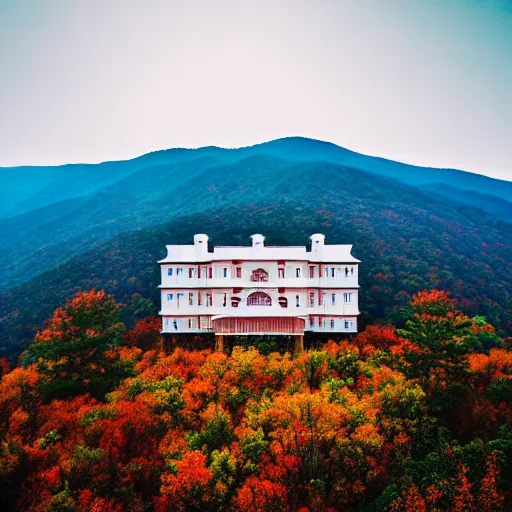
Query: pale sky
point(427, 82)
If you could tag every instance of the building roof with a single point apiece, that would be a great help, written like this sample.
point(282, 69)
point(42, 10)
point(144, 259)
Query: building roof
point(198, 253)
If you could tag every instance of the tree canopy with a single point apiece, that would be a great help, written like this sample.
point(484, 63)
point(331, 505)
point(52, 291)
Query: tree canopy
point(412, 419)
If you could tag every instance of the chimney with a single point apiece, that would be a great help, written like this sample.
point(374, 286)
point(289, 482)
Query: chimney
point(257, 241)
point(317, 242)
point(201, 243)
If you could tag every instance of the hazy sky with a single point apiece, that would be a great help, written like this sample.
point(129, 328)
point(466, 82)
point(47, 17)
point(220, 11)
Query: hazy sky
point(427, 82)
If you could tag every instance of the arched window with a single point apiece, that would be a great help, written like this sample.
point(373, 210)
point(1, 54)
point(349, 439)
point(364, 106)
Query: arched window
point(283, 302)
point(260, 275)
point(259, 299)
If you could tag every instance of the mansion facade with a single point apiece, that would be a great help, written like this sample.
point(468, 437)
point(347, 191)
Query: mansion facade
point(259, 290)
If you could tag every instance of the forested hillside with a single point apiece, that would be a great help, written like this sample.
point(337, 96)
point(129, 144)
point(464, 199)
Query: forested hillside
point(497, 206)
point(63, 213)
point(405, 240)
point(412, 227)
point(99, 418)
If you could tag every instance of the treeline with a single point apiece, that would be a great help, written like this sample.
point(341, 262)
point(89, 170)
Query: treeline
point(98, 417)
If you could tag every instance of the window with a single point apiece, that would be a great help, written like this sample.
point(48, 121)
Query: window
point(190, 299)
point(320, 321)
point(332, 323)
point(311, 272)
point(191, 272)
point(238, 272)
point(326, 272)
point(320, 298)
point(259, 299)
point(332, 271)
point(208, 299)
point(225, 299)
point(297, 272)
point(235, 301)
point(280, 272)
point(225, 272)
point(169, 271)
point(349, 324)
point(210, 272)
point(175, 324)
point(190, 323)
point(351, 271)
point(199, 298)
point(311, 321)
point(312, 299)
point(283, 302)
point(179, 296)
point(297, 300)
point(169, 296)
point(179, 271)
point(203, 322)
point(259, 275)
point(347, 297)
point(333, 299)
point(346, 271)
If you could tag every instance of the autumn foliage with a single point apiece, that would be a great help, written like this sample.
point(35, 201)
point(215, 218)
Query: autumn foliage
point(415, 419)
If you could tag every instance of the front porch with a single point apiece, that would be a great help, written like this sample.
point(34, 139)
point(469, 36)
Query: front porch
point(232, 326)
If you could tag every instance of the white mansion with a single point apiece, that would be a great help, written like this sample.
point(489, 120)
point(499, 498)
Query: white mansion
point(258, 289)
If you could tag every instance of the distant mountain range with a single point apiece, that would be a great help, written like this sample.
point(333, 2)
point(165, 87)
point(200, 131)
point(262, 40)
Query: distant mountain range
point(105, 225)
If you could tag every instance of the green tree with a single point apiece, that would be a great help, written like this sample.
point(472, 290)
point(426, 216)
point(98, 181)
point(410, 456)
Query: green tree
point(77, 349)
point(441, 338)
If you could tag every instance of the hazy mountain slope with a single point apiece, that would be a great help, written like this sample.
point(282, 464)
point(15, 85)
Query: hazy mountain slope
point(500, 208)
point(28, 188)
point(31, 187)
point(301, 149)
point(122, 196)
point(406, 240)
point(37, 241)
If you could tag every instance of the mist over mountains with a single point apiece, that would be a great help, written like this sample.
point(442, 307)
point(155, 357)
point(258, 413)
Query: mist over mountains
point(105, 225)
